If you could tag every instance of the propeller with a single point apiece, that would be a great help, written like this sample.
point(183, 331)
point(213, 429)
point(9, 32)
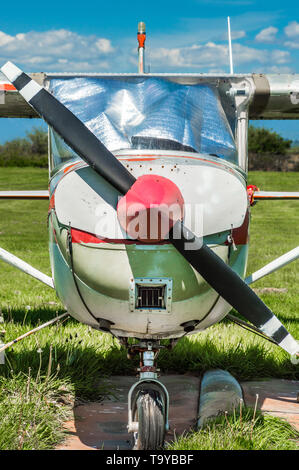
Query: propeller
point(232, 288)
point(70, 129)
point(215, 271)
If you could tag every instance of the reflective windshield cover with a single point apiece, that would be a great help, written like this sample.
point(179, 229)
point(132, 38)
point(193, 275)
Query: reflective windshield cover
point(146, 113)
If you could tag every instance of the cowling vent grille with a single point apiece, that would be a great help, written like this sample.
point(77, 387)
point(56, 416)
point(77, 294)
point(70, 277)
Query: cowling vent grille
point(153, 295)
point(150, 296)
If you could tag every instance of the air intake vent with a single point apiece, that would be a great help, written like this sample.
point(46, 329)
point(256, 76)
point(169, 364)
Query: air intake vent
point(150, 296)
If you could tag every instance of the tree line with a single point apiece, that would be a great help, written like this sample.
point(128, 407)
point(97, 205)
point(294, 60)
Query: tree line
point(31, 150)
point(267, 150)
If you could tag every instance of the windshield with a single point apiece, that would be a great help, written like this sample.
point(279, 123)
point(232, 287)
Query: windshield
point(146, 113)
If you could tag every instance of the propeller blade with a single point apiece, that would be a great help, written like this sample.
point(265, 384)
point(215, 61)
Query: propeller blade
point(70, 129)
point(232, 288)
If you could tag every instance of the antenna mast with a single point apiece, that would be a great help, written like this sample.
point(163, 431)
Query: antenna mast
point(141, 36)
point(230, 47)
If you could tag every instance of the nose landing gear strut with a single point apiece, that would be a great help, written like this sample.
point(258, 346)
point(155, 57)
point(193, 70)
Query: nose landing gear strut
point(148, 400)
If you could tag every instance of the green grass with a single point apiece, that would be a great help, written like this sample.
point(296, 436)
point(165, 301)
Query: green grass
point(62, 364)
point(240, 431)
point(31, 412)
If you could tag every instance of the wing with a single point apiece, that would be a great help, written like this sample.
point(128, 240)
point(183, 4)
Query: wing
point(272, 96)
point(12, 104)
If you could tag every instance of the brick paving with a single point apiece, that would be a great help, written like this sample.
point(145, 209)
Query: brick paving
point(104, 425)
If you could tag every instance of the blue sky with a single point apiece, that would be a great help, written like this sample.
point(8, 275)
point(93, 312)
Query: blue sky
point(182, 36)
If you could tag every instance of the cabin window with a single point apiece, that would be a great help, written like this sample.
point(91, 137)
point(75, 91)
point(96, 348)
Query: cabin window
point(60, 152)
point(151, 113)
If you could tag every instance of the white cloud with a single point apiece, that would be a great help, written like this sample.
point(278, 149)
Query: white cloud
point(246, 54)
point(57, 50)
point(280, 57)
point(267, 34)
point(292, 44)
point(278, 69)
point(292, 29)
point(5, 38)
point(66, 51)
point(209, 55)
point(214, 57)
point(238, 34)
point(104, 45)
point(234, 34)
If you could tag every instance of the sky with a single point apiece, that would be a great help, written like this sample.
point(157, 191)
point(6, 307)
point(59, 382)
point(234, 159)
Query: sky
point(182, 36)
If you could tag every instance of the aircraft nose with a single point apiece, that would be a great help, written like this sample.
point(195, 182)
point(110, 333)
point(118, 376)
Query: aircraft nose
point(150, 208)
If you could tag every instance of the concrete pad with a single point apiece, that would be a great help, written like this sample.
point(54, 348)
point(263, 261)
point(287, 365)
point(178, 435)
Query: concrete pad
point(219, 392)
point(275, 396)
point(104, 425)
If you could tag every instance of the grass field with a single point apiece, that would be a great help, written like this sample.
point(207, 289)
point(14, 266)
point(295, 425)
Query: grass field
point(45, 373)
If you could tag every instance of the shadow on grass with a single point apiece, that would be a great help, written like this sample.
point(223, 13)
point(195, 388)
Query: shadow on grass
point(83, 357)
point(31, 316)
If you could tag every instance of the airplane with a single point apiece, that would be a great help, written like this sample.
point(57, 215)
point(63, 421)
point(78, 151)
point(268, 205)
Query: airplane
point(149, 208)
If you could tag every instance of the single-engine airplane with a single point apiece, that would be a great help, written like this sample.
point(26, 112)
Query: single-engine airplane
point(149, 206)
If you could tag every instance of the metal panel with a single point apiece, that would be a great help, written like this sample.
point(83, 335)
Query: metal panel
point(276, 97)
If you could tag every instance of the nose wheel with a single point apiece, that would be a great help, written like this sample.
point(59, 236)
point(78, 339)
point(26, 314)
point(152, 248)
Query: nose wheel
point(148, 402)
point(149, 413)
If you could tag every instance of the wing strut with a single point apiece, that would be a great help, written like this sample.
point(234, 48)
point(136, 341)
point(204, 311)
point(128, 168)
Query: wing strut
point(274, 265)
point(34, 195)
point(25, 267)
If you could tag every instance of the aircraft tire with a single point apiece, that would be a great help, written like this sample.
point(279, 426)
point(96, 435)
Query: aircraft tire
point(150, 414)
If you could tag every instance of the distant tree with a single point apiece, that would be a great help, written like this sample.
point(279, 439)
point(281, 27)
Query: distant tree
point(39, 140)
point(29, 151)
point(267, 150)
point(15, 147)
point(261, 140)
